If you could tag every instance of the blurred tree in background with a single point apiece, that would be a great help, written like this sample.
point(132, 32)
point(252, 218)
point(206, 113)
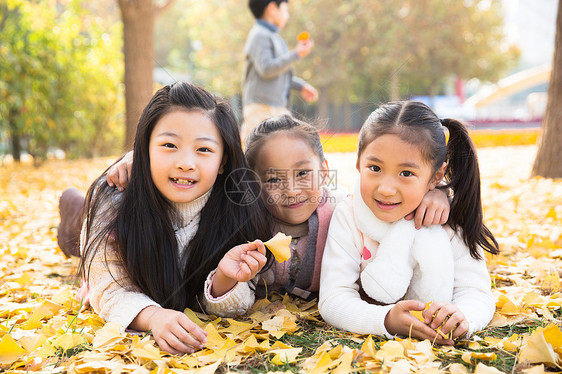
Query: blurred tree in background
point(548, 162)
point(61, 61)
point(60, 75)
point(368, 51)
point(365, 51)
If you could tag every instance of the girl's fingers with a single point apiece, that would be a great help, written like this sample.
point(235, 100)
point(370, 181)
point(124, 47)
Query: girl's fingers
point(178, 344)
point(123, 176)
point(452, 322)
point(429, 313)
point(246, 273)
point(260, 247)
point(429, 218)
point(256, 245)
point(163, 344)
point(409, 305)
point(257, 256)
point(422, 331)
point(444, 217)
point(196, 332)
point(419, 215)
point(461, 330)
point(439, 318)
point(250, 261)
point(184, 341)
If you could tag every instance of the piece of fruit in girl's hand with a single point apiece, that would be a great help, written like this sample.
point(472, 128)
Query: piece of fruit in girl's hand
point(279, 246)
point(303, 36)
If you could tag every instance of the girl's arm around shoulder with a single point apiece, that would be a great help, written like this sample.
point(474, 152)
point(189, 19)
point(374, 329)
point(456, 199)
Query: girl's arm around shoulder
point(472, 292)
point(340, 303)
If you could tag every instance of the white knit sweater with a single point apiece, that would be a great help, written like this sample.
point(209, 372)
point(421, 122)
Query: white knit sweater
point(340, 302)
point(116, 299)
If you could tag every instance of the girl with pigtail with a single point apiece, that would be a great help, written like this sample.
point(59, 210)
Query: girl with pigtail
point(377, 267)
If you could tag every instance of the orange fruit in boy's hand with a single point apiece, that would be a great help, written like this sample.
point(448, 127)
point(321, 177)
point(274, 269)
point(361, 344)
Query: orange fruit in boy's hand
point(303, 36)
point(279, 246)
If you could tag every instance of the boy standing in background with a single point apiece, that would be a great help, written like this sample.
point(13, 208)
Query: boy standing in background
point(268, 74)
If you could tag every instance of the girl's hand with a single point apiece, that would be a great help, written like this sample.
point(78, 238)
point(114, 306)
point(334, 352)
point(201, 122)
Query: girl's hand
point(399, 321)
point(433, 209)
point(240, 264)
point(119, 174)
point(448, 315)
point(173, 331)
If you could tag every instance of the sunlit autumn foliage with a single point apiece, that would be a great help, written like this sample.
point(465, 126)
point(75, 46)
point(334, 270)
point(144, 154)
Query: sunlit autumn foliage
point(347, 142)
point(42, 326)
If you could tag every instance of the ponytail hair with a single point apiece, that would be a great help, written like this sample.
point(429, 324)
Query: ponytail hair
point(416, 124)
point(463, 177)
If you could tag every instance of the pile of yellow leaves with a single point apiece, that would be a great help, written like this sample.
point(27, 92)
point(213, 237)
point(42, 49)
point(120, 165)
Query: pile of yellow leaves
point(43, 329)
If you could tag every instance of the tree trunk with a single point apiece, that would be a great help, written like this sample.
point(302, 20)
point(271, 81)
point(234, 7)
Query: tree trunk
point(15, 138)
point(548, 162)
point(138, 43)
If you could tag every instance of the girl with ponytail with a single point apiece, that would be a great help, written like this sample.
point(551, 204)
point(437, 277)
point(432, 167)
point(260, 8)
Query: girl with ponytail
point(377, 267)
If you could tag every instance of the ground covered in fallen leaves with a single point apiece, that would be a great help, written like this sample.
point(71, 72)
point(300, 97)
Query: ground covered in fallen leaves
point(43, 329)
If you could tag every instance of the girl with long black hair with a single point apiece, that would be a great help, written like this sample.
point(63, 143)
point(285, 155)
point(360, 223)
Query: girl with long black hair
point(155, 249)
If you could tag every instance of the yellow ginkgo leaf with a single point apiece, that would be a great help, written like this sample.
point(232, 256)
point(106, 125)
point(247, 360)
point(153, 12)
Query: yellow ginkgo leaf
point(483, 369)
point(32, 342)
point(284, 355)
point(368, 347)
point(550, 284)
point(553, 336)
point(108, 335)
point(537, 350)
point(69, 340)
point(391, 350)
point(279, 246)
point(10, 351)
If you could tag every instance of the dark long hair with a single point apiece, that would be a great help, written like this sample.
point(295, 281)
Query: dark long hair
point(141, 222)
point(415, 123)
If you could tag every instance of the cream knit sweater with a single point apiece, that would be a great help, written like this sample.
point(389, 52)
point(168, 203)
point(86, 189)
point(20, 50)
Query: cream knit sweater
point(117, 300)
point(346, 254)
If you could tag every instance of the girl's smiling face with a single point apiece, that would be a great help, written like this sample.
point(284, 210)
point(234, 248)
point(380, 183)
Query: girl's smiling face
point(291, 175)
point(394, 177)
point(186, 155)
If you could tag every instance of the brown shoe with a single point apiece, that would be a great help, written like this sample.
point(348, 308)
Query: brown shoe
point(70, 210)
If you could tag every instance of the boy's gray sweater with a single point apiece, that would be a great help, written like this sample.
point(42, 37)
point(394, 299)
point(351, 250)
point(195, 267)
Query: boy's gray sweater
point(268, 75)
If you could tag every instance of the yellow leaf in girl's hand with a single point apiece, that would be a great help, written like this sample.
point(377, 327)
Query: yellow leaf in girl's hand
point(279, 246)
point(418, 314)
